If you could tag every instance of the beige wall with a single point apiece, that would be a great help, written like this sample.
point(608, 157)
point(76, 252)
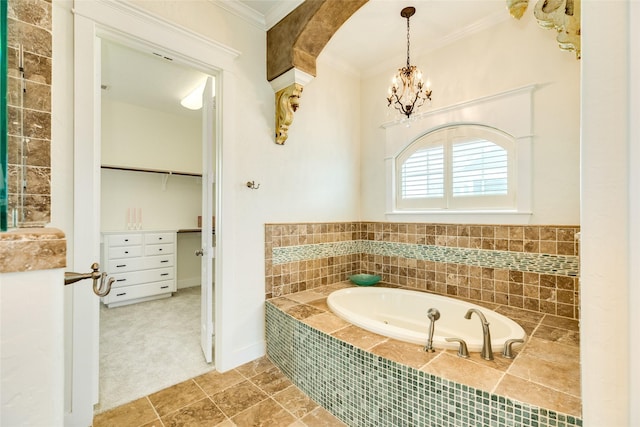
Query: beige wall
point(292, 175)
point(142, 137)
point(315, 176)
point(511, 55)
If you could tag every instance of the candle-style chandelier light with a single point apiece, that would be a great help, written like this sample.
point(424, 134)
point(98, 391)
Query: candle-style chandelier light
point(407, 91)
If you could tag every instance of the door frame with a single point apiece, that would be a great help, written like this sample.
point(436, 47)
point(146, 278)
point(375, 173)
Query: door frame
point(132, 26)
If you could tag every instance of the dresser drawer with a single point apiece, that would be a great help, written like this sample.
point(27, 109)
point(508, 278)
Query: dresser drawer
point(153, 238)
point(125, 239)
point(143, 264)
point(159, 261)
point(144, 276)
point(123, 265)
point(139, 291)
point(124, 252)
point(158, 249)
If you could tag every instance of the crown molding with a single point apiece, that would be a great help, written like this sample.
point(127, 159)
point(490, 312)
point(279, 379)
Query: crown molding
point(486, 22)
point(279, 11)
point(242, 11)
point(483, 24)
point(252, 16)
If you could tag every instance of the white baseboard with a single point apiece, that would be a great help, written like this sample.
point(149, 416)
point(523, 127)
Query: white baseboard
point(243, 355)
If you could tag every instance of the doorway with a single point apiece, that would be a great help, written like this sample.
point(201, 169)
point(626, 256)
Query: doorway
point(151, 185)
point(136, 29)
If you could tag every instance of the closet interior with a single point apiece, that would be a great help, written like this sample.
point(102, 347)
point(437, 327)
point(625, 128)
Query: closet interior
point(151, 201)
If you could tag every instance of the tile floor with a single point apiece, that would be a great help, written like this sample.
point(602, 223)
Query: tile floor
point(254, 394)
point(546, 372)
point(148, 347)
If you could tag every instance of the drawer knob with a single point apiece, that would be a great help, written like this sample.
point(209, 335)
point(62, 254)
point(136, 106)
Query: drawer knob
point(119, 295)
point(121, 265)
point(164, 274)
point(126, 252)
point(164, 287)
point(164, 260)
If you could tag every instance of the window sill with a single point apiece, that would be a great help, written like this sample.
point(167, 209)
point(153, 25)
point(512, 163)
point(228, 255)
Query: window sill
point(465, 216)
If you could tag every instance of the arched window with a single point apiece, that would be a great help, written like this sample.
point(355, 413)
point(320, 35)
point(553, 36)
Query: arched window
point(457, 167)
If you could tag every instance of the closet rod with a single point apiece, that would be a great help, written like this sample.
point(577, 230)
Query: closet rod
point(123, 168)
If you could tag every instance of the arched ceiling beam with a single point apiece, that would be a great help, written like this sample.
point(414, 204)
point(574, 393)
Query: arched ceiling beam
point(293, 45)
point(297, 40)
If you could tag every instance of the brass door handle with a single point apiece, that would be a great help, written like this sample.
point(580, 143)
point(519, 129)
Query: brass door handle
point(101, 289)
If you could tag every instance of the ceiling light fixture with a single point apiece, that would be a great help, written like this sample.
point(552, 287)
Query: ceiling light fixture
point(408, 92)
point(193, 101)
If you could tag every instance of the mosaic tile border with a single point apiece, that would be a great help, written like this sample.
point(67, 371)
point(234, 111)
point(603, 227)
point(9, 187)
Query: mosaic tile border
point(561, 265)
point(363, 389)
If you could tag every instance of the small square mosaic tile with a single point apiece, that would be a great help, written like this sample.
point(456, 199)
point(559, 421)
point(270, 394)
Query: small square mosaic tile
point(363, 389)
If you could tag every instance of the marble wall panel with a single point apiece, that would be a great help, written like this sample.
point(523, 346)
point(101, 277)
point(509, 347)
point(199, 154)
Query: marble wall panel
point(29, 111)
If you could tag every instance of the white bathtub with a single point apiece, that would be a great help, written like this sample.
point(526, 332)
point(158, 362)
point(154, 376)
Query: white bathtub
point(402, 314)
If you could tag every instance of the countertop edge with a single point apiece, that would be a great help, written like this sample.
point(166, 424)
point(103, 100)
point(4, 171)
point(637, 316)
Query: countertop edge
point(29, 249)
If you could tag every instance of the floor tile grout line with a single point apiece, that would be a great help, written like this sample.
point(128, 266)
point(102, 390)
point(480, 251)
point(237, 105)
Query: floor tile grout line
point(271, 396)
point(208, 396)
point(181, 407)
point(249, 407)
point(246, 378)
point(154, 410)
point(294, 415)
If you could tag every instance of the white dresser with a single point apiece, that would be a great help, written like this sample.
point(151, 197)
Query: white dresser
point(143, 264)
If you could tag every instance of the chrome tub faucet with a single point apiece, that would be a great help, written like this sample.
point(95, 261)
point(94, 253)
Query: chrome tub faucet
point(433, 314)
point(487, 351)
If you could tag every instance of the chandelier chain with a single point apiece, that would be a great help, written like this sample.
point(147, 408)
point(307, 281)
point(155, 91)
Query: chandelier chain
point(408, 43)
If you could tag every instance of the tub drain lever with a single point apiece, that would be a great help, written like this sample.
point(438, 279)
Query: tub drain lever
point(462, 350)
point(433, 314)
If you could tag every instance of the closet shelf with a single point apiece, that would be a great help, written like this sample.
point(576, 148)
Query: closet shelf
point(161, 171)
point(193, 230)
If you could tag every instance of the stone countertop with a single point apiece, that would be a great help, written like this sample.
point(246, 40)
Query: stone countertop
point(27, 249)
point(545, 372)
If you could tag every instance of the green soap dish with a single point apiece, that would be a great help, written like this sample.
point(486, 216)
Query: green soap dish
point(365, 279)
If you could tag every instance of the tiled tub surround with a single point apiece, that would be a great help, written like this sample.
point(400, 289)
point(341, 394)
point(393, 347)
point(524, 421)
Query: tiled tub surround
point(367, 379)
point(532, 267)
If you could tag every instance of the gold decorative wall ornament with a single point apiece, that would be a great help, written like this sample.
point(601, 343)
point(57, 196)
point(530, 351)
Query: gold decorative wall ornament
point(287, 103)
point(561, 15)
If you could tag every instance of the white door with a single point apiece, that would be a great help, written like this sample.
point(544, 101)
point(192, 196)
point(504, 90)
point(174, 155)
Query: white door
point(206, 276)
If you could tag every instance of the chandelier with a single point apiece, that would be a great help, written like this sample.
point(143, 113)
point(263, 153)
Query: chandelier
point(407, 91)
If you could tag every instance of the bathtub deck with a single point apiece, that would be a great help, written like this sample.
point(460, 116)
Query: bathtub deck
point(545, 371)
